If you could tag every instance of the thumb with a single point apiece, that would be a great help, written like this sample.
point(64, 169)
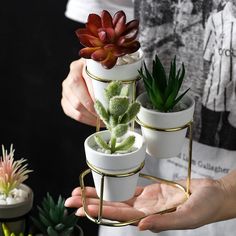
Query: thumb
point(168, 221)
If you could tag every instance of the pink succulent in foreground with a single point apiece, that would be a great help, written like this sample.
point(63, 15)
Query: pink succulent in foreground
point(12, 172)
point(106, 38)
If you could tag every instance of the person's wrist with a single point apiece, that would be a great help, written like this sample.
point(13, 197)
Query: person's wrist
point(228, 189)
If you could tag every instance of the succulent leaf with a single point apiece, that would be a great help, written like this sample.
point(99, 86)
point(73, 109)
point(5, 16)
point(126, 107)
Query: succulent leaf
point(120, 130)
point(126, 144)
point(101, 143)
point(118, 105)
point(162, 90)
point(104, 30)
point(101, 111)
point(113, 89)
point(131, 113)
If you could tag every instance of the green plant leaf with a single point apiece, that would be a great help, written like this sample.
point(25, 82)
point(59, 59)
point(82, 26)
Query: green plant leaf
point(181, 96)
point(120, 130)
point(101, 111)
point(70, 220)
point(118, 105)
point(113, 89)
point(45, 220)
point(131, 113)
point(39, 225)
point(126, 144)
point(101, 143)
point(51, 231)
point(59, 227)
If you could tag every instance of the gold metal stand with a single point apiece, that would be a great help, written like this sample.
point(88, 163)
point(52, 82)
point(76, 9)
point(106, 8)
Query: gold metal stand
point(186, 190)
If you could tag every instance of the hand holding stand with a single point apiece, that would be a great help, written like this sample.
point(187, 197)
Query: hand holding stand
point(186, 190)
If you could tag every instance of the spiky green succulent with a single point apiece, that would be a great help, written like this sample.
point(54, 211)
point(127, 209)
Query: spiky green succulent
point(116, 117)
point(163, 90)
point(53, 218)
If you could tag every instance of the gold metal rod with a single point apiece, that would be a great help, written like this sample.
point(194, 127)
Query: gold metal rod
point(98, 124)
point(190, 157)
point(133, 99)
point(101, 199)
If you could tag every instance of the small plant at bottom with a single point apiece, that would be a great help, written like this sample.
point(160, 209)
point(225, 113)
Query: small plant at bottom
point(116, 117)
point(163, 90)
point(7, 231)
point(53, 218)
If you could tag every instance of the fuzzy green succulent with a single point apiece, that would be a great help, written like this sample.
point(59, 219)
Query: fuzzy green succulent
point(53, 218)
point(163, 90)
point(116, 117)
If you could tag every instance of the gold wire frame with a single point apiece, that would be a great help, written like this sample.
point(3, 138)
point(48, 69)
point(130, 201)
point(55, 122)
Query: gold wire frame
point(186, 190)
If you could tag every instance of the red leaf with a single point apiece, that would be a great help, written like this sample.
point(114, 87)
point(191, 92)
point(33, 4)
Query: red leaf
point(110, 61)
point(134, 24)
point(92, 28)
point(95, 20)
point(132, 47)
point(117, 16)
point(106, 19)
point(82, 31)
point(103, 36)
point(90, 40)
point(111, 34)
point(120, 26)
point(99, 55)
point(87, 52)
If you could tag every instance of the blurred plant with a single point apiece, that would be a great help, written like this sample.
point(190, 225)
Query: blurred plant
point(116, 117)
point(106, 38)
point(163, 91)
point(53, 218)
point(7, 232)
point(12, 172)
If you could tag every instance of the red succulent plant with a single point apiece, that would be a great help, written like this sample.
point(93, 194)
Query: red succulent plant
point(105, 38)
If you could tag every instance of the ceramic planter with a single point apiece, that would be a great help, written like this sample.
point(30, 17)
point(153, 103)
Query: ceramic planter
point(100, 76)
point(15, 215)
point(115, 189)
point(164, 144)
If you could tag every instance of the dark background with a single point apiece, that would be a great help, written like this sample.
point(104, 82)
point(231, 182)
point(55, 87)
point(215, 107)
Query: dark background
point(37, 45)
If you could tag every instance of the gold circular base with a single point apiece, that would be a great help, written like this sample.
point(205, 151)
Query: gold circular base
point(100, 221)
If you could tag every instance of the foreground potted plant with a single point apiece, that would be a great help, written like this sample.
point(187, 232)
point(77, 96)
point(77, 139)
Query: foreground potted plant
point(54, 220)
point(8, 232)
point(164, 107)
point(16, 198)
point(116, 150)
point(111, 50)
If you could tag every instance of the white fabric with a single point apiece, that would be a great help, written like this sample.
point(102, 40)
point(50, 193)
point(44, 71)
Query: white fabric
point(79, 10)
point(220, 50)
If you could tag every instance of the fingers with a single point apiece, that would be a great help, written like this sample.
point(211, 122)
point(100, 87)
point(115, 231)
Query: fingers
point(77, 95)
point(111, 212)
point(169, 221)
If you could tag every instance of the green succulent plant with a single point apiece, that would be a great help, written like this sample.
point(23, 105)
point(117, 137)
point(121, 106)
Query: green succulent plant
point(7, 231)
point(116, 117)
point(53, 218)
point(163, 90)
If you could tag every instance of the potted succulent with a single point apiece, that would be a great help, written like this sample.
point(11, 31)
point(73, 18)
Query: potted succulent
point(16, 198)
point(116, 150)
point(54, 220)
point(163, 106)
point(111, 50)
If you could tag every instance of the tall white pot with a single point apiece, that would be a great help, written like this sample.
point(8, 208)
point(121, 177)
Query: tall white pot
point(164, 144)
point(115, 189)
point(14, 215)
point(127, 72)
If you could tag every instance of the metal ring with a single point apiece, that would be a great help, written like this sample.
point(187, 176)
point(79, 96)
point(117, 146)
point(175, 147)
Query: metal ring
point(133, 172)
point(108, 81)
point(163, 129)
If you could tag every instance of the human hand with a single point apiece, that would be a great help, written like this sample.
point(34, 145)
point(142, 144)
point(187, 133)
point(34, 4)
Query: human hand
point(202, 207)
point(77, 95)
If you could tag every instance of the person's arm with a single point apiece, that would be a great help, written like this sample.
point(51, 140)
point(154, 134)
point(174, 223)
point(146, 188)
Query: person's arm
point(210, 201)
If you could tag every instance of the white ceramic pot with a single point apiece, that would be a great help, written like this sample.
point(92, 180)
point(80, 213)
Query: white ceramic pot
point(164, 144)
point(14, 214)
point(115, 189)
point(94, 71)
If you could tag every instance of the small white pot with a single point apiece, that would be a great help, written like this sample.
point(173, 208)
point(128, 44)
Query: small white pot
point(16, 211)
point(97, 73)
point(164, 144)
point(115, 189)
